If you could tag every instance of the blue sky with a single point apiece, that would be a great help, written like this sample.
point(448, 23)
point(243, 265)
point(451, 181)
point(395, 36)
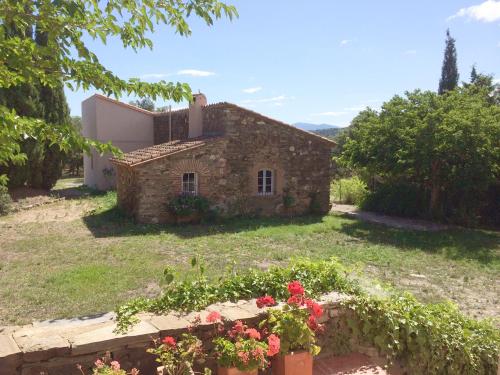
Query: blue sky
point(315, 61)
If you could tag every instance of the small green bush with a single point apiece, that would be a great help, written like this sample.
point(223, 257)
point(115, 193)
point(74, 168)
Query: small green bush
point(5, 200)
point(349, 190)
point(186, 204)
point(396, 199)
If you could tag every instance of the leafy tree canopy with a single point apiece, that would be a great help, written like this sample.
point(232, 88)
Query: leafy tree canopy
point(65, 57)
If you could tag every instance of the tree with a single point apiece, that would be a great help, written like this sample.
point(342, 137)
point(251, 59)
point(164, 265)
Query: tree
point(144, 103)
point(444, 148)
point(473, 74)
point(449, 71)
point(66, 57)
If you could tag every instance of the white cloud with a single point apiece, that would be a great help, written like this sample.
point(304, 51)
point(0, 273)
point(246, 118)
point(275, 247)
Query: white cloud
point(487, 11)
point(497, 81)
point(252, 90)
point(266, 100)
point(411, 52)
point(345, 42)
point(355, 109)
point(330, 113)
point(195, 73)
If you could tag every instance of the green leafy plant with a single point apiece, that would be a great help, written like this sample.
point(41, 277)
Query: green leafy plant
point(296, 322)
point(241, 347)
point(349, 190)
point(107, 366)
point(179, 357)
point(5, 200)
point(428, 339)
point(190, 295)
point(187, 204)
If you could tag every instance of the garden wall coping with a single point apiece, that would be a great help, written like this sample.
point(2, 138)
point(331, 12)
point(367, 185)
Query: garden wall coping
point(56, 346)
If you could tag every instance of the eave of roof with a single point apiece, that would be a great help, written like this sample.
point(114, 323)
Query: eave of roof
point(163, 150)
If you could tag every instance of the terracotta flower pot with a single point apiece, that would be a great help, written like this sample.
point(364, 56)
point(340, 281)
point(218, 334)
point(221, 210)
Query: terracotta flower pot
point(234, 371)
point(300, 363)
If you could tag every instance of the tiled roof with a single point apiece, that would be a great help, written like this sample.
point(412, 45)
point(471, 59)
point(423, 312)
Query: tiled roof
point(161, 150)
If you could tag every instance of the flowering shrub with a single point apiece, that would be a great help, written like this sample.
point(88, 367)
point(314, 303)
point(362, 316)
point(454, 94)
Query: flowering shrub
point(107, 366)
point(187, 204)
point(265, 301)
point(296, 324)
point(244, 348)
point(179, 357)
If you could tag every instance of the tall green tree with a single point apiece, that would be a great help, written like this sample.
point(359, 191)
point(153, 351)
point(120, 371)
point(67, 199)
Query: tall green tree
point(449, 71)
point(446, 148)
point(67, 57)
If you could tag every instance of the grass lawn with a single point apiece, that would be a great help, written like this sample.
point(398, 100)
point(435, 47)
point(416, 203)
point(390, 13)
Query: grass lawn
point(80, 256)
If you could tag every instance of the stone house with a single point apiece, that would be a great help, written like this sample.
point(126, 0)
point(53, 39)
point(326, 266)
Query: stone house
point(241, 161)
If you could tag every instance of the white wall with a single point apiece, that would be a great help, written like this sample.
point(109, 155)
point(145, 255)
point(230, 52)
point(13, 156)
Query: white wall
point(127, 128)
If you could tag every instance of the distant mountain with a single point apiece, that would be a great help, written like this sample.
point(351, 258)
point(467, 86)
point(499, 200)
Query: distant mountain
point(328, 133)
point(311, 127)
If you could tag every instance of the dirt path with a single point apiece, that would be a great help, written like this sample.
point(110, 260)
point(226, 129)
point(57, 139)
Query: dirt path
point(391, 221)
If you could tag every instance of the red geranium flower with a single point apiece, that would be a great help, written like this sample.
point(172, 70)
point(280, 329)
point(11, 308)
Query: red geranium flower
point(253, 333)
point(315, 309)
point(213, 317)
point(312, 323)
point(169, 341)
point(296, 299)
point(265, 301)
point(295, 288)
point(273, 345)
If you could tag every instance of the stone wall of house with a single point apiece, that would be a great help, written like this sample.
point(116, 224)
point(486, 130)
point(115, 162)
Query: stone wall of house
point(180, 125)
point(55, 347)
point(127, 189)
point(227, 169)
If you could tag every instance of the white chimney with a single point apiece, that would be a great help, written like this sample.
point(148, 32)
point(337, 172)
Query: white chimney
point(196, 115)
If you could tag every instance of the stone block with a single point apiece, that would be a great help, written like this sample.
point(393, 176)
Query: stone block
point(102, 338)
point(40, 343)
point(11, 355)
point(171, 324)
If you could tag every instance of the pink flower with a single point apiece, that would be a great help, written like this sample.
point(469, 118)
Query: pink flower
point(265, 301)
point(99, 364)
point(115, 366)
point(295, 288)
point(258, 353)
point(237, 329)
point(213, 317)
point(244, 357)
point(169, 341)
point(253, 333)
point(273, 345)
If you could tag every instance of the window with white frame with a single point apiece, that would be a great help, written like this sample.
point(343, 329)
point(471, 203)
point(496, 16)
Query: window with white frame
point(190, 183)
point(265, 182)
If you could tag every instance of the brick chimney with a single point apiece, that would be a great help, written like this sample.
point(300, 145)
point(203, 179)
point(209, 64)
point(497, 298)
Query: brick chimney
point(196, 115)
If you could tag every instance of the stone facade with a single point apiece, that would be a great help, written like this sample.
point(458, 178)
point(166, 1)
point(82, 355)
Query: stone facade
point(227, 167)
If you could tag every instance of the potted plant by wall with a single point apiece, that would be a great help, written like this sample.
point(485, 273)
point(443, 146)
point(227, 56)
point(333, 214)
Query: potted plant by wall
point(107, 366)
point(296, 326)
point(187, 208)
point(242, 351)
point(179, 357)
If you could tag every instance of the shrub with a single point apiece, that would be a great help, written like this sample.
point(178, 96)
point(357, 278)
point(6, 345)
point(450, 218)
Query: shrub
point(349, 190)
point(5, 200)
point(187, 204)
point(396, 199)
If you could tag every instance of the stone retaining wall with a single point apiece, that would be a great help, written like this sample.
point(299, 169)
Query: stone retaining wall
point(55, 347)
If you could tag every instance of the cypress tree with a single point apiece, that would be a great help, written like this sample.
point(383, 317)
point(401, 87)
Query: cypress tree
point(473, 74)
point(55, 111)
point(449, 72)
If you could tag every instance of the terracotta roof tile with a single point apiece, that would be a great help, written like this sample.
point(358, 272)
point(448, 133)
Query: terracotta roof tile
point(158, 151)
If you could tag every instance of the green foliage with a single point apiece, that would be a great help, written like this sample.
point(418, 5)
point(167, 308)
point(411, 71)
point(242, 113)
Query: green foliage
point(187, 204)
point(231, 352)
point(290, 325)
point(400, 199)
point(449, 71)
point(191, 295)
point(144, 103)
point(5, 201)
point(428, 339)
point(65, 57)
point(179, 358)
point(446, 146)
point(349, 190)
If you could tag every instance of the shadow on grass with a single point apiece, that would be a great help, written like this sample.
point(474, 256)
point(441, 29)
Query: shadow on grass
point(456, 244)
point(114, 223)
